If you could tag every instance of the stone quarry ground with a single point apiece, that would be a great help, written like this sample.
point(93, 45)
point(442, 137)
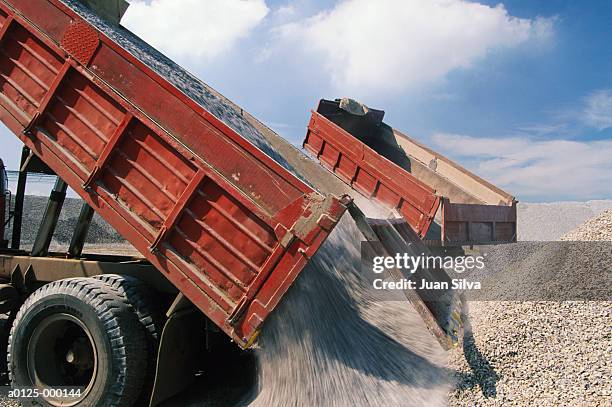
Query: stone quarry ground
point(539, 352)
point(514, 352)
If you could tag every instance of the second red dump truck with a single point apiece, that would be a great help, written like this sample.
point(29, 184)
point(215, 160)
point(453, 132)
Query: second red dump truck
point(424, 187)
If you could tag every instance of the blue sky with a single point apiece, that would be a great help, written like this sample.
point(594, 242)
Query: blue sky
point(519, 92)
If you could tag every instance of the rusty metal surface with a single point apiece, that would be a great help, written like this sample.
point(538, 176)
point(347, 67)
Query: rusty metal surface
point(80, 41)
point(55, 267)
point(224, 222)
point(346, 152)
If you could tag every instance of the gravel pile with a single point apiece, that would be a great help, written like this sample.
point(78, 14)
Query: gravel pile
point(597, 229)
point(100, 239)
point(549, 221)
point(537, 352)
point(514, 353)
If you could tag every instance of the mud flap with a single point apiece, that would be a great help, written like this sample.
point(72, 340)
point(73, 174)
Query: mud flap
point(181, 342)
point(440, 310)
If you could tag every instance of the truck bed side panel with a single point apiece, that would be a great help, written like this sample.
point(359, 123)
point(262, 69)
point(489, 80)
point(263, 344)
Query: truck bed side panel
point(370, 173)
point(226, 224)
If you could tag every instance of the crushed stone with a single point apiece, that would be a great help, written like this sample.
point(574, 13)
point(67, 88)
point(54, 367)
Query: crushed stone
point(549, 221)
point(523, 353)
point(333, 343)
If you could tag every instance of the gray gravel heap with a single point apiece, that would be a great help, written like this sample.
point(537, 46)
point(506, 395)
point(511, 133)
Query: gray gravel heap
point(102, 238)
point(549, 221)
point(538, 353)
point(100, 232)
point(597, 229)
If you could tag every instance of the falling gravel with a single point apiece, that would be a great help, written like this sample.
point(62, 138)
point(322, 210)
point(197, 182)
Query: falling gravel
point(538, 352)
point(333, 343)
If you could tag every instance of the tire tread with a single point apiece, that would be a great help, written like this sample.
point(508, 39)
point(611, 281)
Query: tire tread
point(115, 312)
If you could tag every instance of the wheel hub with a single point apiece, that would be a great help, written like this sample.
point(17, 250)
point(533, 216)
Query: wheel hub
point(62, 354)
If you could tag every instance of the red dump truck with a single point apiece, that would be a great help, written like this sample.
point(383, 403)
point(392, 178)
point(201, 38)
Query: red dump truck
point(426, 188)
point(225, 213)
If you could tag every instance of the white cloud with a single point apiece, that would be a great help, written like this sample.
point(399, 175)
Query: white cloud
point(392, 44)
point(285, 12)
point(537, 170)
point(588, 113)
point(598, 110)
point(194, 28)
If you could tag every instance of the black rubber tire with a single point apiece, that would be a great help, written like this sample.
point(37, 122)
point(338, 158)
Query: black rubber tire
point(142, 299)
point(120, 340)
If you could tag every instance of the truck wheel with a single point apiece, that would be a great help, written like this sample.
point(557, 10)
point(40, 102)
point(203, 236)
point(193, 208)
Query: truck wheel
point(141, 298)
point(82, 334)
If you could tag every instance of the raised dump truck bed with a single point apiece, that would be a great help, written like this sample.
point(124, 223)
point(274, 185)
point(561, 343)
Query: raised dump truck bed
point(352, 141)
point(171, 166)
point(221, 207)
point(364, 169)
